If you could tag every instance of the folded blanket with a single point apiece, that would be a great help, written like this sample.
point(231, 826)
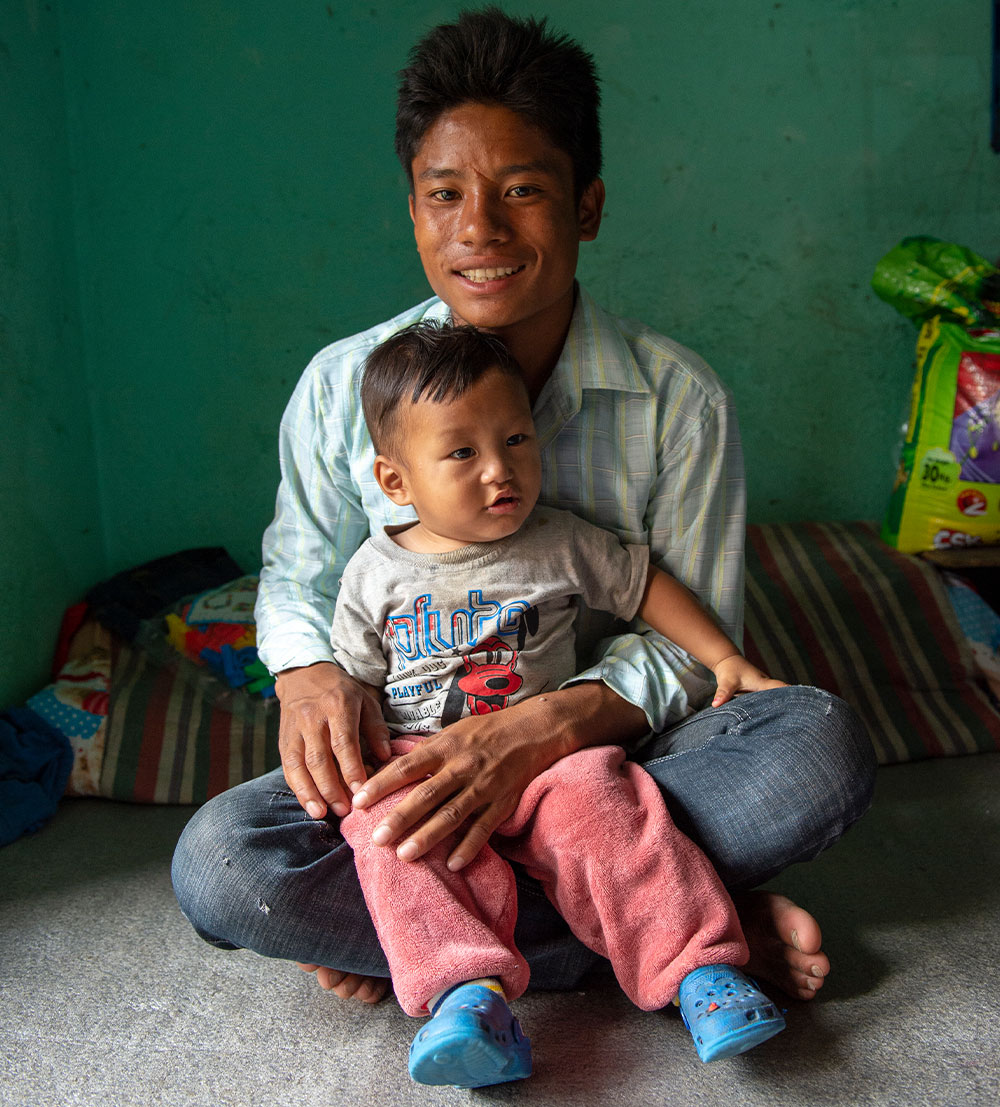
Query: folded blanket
point(35, 763)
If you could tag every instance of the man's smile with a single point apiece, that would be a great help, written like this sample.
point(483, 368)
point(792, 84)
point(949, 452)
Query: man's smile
point(481, 276)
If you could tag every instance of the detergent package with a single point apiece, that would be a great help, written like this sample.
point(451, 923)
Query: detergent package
point(947, 489)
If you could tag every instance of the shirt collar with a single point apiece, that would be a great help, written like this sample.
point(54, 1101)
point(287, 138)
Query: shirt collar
point(595, 355)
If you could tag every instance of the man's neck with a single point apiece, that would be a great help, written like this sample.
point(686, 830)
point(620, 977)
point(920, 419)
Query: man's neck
point(537, 342)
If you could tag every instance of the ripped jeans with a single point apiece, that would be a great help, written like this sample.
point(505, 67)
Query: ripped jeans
point(766, 780)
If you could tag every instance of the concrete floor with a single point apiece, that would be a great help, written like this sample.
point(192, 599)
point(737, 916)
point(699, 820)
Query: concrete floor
point(107, 997)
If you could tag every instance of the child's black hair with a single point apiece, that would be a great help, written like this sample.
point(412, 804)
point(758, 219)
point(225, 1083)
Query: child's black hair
point(426, 361)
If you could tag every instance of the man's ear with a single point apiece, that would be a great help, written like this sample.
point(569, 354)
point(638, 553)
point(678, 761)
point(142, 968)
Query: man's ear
point(392, 480)
point(591, 209)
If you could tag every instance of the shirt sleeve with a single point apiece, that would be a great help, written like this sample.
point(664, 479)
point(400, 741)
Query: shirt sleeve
point(609, 575)
point(696, 519)
point(357, 630)
point(318, 525)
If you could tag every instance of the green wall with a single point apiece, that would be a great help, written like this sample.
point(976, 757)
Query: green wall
point(50, 511)
point(236, 205)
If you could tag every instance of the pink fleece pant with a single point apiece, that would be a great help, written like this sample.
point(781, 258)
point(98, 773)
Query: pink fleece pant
point(595, 832)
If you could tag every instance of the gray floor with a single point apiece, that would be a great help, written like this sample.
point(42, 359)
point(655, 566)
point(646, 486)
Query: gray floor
point(106, 997)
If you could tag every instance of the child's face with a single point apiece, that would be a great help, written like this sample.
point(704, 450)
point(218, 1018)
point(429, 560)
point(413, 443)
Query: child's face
point(470, 467)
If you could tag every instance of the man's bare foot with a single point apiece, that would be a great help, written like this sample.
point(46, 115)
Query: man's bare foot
point(348, 985)
point(785, 943)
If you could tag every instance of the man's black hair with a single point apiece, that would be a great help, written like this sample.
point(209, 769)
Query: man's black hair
point(490, 57)
point(426, 361)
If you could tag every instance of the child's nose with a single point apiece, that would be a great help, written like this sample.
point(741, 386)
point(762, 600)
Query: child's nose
point(496, 468)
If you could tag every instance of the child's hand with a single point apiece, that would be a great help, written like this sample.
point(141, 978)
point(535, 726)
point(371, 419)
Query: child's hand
point(735, 675)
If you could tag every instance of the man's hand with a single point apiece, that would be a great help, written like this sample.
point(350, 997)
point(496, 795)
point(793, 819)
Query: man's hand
point(326, 718)
point(735, 675)
point(472, 774)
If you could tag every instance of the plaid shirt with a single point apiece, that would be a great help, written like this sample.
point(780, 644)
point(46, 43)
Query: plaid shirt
point(637, 435)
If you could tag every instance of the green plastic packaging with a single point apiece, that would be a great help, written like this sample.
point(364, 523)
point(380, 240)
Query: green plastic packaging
point(923, 277)
point(947, 488)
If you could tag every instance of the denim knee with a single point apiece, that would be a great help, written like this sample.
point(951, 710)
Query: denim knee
point(833, 752)
point(191, 878)
point(766, 780)
point(854, 771)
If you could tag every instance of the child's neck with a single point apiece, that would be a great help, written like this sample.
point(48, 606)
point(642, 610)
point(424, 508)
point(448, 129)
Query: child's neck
point(418, 539)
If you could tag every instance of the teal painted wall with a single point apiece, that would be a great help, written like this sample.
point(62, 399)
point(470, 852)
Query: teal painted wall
point(236, 205)
point(50, 517)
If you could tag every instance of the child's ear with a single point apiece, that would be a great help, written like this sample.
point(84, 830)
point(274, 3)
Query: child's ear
point(391, 480)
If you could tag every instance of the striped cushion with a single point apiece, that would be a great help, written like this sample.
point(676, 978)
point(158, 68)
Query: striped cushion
point(827, 604)
point(830, 604)
point(176, 734)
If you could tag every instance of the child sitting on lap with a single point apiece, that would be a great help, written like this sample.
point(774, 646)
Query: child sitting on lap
point(472, 607)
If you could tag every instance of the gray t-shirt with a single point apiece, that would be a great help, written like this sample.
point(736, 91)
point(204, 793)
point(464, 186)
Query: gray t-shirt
point(474, 629)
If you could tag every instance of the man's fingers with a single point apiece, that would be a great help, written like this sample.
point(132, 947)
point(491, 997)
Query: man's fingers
point(447, 818)
point(434, 794)
point(321, 708)
point(476, 837)
point(311, 773)
point(444, 823)
point(298, 778)
point(407, 769)
point(347, 751)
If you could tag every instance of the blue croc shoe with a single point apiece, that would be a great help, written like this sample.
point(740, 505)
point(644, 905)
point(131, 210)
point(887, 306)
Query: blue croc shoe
point(726, 1012)
point(471, 1041)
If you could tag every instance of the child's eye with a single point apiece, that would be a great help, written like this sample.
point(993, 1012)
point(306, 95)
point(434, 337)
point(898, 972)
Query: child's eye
point(516, 439)
point(463, 453)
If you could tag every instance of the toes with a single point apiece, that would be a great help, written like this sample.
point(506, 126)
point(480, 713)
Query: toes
point(785, 943)
point(371, 991)
point(808, 965)
point(795, 925)
point(805, 987)
point(346, 985)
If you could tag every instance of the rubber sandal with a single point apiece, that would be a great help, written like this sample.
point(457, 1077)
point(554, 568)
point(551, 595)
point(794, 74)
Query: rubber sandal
point(471, 1041)
point(726, 1012)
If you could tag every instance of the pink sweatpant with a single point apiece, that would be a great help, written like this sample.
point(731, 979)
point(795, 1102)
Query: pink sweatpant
point(594, 830)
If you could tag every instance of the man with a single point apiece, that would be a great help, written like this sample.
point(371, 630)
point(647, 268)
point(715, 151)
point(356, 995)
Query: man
point(497, 127)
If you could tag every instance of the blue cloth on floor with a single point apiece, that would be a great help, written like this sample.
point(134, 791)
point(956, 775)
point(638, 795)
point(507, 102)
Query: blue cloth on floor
point(35, 763)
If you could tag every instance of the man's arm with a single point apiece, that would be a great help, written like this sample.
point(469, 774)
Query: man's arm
point(318, 525)
point(696, 523)
point(472, 774)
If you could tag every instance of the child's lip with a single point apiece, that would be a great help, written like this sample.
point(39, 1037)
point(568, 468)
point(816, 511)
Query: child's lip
point(506, 501)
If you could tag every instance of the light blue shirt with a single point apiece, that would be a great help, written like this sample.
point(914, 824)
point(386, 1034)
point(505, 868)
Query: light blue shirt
point(637, 435)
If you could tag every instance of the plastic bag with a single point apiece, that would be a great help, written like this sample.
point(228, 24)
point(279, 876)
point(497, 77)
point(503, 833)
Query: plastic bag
point(947, 488)
point(923, 277)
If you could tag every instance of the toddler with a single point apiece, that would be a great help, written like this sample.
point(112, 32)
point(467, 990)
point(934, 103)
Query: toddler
point(464, 611)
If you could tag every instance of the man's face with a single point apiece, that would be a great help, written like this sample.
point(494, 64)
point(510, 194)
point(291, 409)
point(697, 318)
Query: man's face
point(496, 222)
point(470, 466)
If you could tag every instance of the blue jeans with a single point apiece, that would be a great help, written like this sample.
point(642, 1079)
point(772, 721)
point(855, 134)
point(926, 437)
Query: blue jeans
point(766, 780)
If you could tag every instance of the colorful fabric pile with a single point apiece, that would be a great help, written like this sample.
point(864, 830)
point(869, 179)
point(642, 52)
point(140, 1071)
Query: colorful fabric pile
point(217, 629)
